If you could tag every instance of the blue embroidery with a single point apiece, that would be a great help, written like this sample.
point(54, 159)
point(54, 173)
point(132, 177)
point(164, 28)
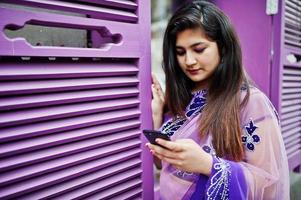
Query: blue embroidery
point(219, 183)
point(207, 149)
point(195, 107)
point(250, 137)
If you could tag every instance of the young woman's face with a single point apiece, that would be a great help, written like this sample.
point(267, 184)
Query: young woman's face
point(198, 57)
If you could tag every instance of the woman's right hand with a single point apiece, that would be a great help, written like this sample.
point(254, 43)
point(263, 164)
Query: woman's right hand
point(158, 103)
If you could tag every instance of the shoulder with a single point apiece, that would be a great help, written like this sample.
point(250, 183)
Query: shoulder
point(257, 106)
point(256, 98)
point(255, 94)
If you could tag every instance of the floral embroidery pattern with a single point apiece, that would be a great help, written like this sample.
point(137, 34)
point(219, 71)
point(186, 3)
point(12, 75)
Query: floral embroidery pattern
point(219, 183)
point(207, 148)
point(250, 138)
point(195, 107)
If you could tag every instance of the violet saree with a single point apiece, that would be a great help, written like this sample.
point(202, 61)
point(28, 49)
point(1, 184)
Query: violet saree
point(263, 174)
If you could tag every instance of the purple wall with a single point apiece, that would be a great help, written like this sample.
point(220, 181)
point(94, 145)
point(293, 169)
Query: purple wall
point(254, 29)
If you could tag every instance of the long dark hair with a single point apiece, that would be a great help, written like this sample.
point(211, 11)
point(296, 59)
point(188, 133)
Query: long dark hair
point(221, 115)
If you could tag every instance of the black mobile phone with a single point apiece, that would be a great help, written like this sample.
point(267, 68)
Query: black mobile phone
point(152, 135)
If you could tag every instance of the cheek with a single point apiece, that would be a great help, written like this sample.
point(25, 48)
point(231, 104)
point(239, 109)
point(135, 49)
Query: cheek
point(181, 62)
point(211, 60)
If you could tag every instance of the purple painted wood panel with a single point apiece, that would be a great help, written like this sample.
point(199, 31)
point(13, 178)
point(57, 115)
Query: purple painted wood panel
point(90, 9)
point(72, 129)
point(19, 47)
point(254, 28)
point(289, 103)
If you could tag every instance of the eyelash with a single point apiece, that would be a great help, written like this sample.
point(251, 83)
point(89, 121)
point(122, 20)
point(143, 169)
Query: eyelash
point(181, 53)
point(199, 50)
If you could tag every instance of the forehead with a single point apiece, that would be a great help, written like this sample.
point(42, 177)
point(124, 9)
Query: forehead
point(191, 36)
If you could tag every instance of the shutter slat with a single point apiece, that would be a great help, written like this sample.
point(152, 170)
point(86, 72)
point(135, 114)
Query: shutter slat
point(290, 108)
point(47, 151)
point(122, 191)
point(55, 112)
point(78, 182)
point(291, 22)
point(291, 133)
point(291, 78)
point(292, 141)
point(291, 105)
point(290, 126)
point(291, 96)
point(29, 87)
point(128, 181)
point(115, 3)
point(292, 37)
point(290, 151)
point(291, 71)
point(17, 175)
point(286, 116)
point(46, 180)
point(21, 159)
point(96, 11)
point(291, 102)
point(38, 100)
point(291, 90)
point(290, 121)
point(134, 194)
point(292, 17)
point(293, 43)
point(293, 10)
point(54, 71)
point(42, 128)
point(289, 30)
point(292, 84)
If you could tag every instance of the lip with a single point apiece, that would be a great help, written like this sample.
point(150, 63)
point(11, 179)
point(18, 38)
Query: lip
point(193, 71)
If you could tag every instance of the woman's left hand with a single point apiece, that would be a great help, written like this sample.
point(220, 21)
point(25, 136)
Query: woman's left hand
point(184, 154)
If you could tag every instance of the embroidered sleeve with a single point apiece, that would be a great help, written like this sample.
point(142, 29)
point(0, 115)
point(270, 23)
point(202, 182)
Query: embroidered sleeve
point(226, 181)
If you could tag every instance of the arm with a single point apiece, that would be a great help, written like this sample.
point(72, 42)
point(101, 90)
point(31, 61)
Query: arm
point(263, 173)
point(157, 110)
point(157, 103)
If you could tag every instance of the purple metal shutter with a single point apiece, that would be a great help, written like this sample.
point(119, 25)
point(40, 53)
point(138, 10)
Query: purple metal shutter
point(72, 129)
point(289, 77)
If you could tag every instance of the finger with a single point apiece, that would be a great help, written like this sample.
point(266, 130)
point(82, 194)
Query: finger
point(162, 152)
point(155, 92)
point(160, 93)
point(175, 162)
point(173, 146)
point(156, 82)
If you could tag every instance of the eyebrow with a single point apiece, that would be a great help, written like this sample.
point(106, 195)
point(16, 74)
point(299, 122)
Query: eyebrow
point(193, 45)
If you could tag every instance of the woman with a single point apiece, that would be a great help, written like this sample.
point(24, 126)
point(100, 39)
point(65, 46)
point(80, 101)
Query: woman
point(225, 136)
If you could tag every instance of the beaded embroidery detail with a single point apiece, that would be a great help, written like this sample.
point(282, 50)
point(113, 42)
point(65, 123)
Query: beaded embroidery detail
point(219, 183)
point(195, 107)
point(250, 137)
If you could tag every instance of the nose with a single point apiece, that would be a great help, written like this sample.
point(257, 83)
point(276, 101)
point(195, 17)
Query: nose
point(190, 59)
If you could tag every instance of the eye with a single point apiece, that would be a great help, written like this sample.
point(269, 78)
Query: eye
point(199, 50)
point(180, 52)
